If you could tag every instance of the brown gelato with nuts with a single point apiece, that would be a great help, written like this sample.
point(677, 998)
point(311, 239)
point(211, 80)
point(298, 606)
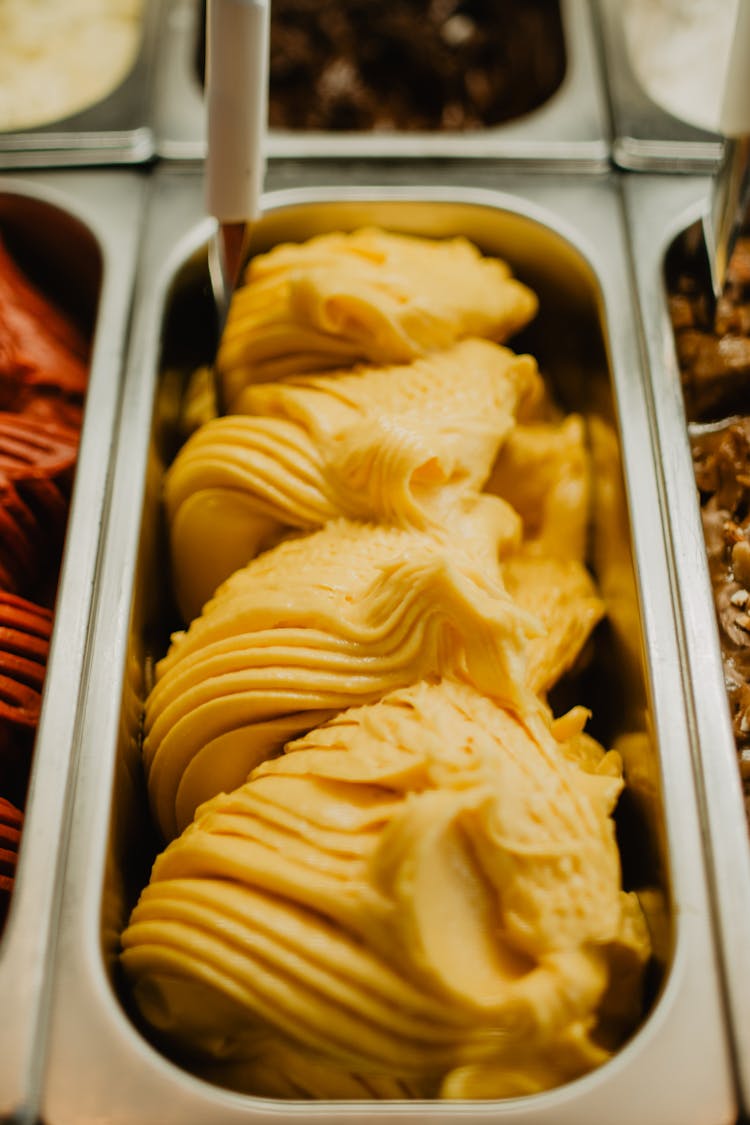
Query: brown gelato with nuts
point(419, 65)
point(713, 346)
point(722, 472)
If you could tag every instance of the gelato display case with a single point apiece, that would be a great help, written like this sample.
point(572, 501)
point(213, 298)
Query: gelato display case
point(567, 243)
point(68, 270)
point(343, 680)
point(77, 83)
point(655, 70)
point(548, 107)
point(698, 402)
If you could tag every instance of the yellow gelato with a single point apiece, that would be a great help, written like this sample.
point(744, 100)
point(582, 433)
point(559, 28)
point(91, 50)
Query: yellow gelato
point(401, 445)
point(562, 596)
point(372, 295)
point(543, 470)
point(381, 555)
point(319, 623)
point(423, 894)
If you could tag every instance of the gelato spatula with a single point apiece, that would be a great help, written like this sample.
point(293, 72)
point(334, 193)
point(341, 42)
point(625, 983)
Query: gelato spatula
point(731, 187)
point(237, 38)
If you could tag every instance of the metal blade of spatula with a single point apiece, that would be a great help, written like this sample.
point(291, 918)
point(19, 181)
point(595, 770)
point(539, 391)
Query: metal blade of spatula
point(731, 186)
point(237, 45)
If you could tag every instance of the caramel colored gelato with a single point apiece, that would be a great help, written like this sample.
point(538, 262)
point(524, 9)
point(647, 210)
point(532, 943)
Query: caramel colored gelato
point(393, 872)
point(423, 892)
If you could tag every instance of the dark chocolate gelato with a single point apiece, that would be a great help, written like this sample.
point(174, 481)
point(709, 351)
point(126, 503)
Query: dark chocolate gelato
point(418, 65)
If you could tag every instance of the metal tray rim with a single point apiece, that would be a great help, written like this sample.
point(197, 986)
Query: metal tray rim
point(656, 218)
point(83, 138)
point(571, 128)
point(646, 136)
point(32, 916)
point(694, 942)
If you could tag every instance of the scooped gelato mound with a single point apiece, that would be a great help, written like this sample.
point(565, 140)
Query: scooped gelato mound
point(369, 296)
point(406, 445)
point(543, 470)
point(398, 875)
point(423, 894)
point(313, 626)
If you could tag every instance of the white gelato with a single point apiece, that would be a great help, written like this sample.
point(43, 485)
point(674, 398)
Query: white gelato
point(58, 57)
point(679, 51)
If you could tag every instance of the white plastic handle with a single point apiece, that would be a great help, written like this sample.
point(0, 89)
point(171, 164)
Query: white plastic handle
point(735, 109)
point(237, 38)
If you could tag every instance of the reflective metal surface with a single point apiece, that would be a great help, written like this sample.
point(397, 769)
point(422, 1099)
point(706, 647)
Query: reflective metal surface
point(566, 239)
point(115, 130)
point(645, 136)
point(570, 130)
point(83, 229)
point(660, 209)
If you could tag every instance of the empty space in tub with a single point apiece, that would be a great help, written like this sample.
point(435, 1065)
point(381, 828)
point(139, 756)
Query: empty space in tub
point(56, 251)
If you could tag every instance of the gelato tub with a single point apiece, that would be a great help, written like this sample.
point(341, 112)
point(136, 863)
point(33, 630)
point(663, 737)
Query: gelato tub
point(60, 232)
point(562, 118)
point(647, 88)
point(76, 83)
point(568, 244)
point(690, 411)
